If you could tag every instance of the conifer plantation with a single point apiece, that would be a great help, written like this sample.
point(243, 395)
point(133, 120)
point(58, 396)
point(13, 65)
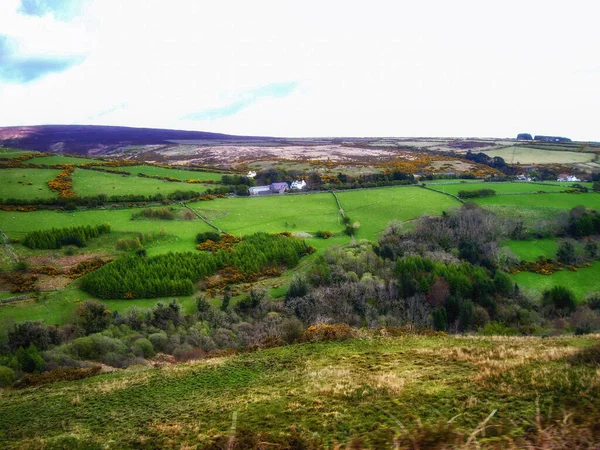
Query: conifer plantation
point(135, 276)
point(57, 237)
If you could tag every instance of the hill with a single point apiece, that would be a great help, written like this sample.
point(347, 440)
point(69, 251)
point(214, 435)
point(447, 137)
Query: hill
point(99, 140)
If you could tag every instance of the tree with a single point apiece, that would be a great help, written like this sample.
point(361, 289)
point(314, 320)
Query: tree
point(566, 252)
point(93, 316)
point(559, 300)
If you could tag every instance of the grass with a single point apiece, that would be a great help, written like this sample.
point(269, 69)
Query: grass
point(180, 174)
point(502, 188)
point(13, 152)
point(375, 208)
point(376, 388)
point(531, 250)
point(294, 213)
point(89, 182)
point(554, 201)
point(60, 159)
point(525, 155)
point(14, 183)
point(582, 282)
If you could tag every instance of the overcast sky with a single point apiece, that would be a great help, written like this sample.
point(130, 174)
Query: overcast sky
point(305, 68)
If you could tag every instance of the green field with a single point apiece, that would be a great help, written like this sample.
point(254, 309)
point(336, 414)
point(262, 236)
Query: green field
point(14, 183)
point(502, 188)
point(532, 249)
point(555, 201)
point(525, 155)
point(90, 182)
point(13, 152)
point(180, 174)
point(374, 209)
point(60, 159)
point(582, 282)
point(419, 390)
point(294, 213)
point(434, 183)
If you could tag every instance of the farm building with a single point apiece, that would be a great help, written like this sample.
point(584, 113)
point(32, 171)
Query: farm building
point(279, 187)
point(251, 174)
point(260, 190)
point(565, 177)
point(300, 184)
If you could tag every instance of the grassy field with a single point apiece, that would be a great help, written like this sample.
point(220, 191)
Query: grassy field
point(294, 213)
point(582, 282)
point(525, 155)
point(375, 208)
point(502, 188)
point(555, 201)
point(417, 390)
point(89, 182)
point(180, 174)
point(13, 152)
point(60, 159)
point(531, 250)
point(14, 183)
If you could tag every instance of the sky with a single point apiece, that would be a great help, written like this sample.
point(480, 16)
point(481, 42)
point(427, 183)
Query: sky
point(305, 68)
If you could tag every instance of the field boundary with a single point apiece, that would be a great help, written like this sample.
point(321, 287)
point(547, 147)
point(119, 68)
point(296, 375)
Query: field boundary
point(203, 219)
point(445, 193)
point(7, 247)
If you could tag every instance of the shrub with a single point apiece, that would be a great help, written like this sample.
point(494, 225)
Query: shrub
point(125, 244)
point(560, 300)
point(93, 316)
point(208, 236)
point(498, 329)
point(7, 376)
point(145, 345)
point(566, 252)
point(56, 375)
point(159, 341)
point(298, 286)
point(327, 332)
point(30, 360)
point(32, 333)
point(440, 319)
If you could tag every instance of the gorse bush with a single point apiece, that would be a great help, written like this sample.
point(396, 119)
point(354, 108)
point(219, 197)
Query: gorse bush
point(57, 237)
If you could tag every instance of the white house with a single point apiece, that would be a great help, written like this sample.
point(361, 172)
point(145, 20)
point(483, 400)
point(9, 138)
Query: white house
point(300, 184)
point(251, 174)
point(570, 178)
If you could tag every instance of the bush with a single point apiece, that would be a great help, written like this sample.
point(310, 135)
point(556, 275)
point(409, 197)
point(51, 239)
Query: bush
point(32, 333)
point(7, 376)
point(30, 360)
point(125, 244)
point(208, 236)
point(93, 316)
point(560, 300)
point(498, 329)
point(145, 345)
point(159, 341)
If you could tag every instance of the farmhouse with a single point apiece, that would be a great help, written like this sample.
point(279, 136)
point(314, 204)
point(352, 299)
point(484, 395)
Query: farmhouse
point(251, 174)
point(260, 190)
point(565, 177)
point(279, 188)
point(299, 184)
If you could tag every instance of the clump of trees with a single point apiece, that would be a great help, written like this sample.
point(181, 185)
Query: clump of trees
point(57, 237)
point(155, 213)
point(476, 193)
point(174, 274)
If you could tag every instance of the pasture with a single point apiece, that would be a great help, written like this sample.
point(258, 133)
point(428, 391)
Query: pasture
point(374, 209)
point(582, 282)
point(533, 249)
point(180, 174)
point(503, 188)
point(554, 201)
point(90, 182)
point(13, 152)
point(294, 213)
point(61, 159)
point(26, 184)
point(526, 155)
point(326, 393)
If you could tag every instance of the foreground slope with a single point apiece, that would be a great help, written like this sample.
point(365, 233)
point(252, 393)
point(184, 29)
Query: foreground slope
point(412, 390)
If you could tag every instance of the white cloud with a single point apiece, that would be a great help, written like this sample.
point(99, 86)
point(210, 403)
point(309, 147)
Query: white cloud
point(382, 68)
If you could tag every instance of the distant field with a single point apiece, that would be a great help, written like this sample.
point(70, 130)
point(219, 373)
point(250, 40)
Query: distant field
point(532, 249)
point(13, 152)
point(582, 282)
point(180, 174)
point(457, 181)
point(525, 155)
point(17, 224)
point(59, 159)
point(294, 213)
point(90, 182)
point(14, 183)
point(502, 188)
point(375, 208)
point(556, 201)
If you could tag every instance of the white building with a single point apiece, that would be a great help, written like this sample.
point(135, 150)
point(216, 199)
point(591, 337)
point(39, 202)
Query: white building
point(300, 184)
point(260, 190)
point(251, 174)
